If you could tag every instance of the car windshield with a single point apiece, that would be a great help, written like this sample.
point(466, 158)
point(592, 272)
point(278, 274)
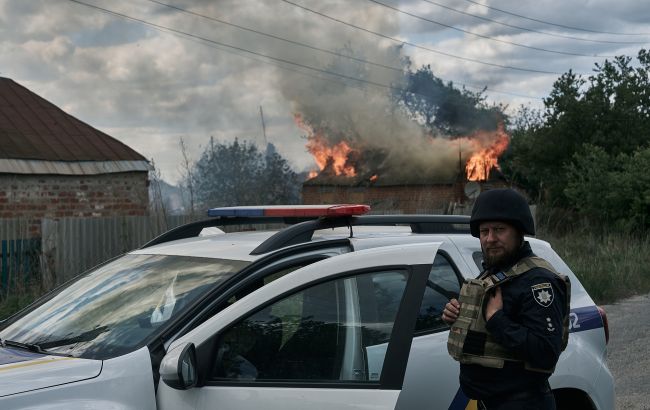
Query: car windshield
point(112, 310)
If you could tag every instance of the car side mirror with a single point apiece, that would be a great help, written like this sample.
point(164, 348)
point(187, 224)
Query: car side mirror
point(178, 367)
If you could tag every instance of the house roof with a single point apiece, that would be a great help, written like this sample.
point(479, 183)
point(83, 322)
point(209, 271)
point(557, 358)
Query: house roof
point(32, 128)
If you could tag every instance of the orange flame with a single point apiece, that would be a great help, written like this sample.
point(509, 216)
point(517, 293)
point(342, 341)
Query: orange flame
point(490, 145)
point(336, 156)
point(340, 158)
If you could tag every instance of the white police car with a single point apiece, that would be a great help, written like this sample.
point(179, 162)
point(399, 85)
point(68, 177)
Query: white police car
point(341, 311)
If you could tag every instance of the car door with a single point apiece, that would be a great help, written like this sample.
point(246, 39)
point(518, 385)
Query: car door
point(333, 335)
point(431, 374)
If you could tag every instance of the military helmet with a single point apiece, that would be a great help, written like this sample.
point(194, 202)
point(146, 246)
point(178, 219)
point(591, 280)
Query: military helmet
point(505, 205)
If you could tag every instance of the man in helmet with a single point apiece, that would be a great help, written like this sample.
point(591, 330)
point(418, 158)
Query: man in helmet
point(509, 325)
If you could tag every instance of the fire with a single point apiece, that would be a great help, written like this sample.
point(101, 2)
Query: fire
point(490, 145)
point(335, 157)
point(482, 148)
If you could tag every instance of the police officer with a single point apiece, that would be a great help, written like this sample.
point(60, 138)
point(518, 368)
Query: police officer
point(511, 323)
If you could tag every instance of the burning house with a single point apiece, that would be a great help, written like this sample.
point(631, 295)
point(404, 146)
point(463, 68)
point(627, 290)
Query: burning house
point(409, 146)
point(431, 175)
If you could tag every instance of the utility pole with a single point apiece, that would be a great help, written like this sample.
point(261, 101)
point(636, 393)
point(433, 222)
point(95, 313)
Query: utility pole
point(266, 142)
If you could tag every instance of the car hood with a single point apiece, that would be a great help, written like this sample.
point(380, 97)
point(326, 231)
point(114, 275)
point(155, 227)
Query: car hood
point(22, 371)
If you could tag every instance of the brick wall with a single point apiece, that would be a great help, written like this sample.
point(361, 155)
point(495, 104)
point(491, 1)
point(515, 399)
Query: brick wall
point(407, 199)
point(32, 197)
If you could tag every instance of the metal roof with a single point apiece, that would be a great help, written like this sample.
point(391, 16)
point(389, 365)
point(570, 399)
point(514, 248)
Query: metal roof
point(32, 128)
point(20, 166)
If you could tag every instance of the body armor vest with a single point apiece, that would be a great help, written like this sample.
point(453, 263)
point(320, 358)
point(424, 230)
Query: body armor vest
point(469, 341)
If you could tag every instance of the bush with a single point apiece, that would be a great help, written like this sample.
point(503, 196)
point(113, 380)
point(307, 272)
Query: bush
point(611, 189)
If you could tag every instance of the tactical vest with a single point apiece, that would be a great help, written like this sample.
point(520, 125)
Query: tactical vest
point(469, 341)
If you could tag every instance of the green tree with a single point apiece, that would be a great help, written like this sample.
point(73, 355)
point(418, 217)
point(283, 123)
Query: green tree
point(612, 189)
point(442, 106)
point(238, 173)
point(610, 110)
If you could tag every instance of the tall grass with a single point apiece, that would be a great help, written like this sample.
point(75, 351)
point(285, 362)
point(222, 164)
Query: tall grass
point(610, 265)
point(18, 298)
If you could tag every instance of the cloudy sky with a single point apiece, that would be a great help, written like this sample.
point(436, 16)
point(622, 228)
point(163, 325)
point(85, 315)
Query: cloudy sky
point(149, 72)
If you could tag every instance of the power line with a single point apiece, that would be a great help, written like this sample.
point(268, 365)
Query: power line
point(396, 69)
point(556, 24)
point(298, 43)
point(546, 33)
point(512, 43)
point(316, 69)
point(530, 70)
point(282, 60)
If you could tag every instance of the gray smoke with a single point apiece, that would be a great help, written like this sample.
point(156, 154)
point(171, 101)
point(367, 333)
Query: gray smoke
point(337, 108)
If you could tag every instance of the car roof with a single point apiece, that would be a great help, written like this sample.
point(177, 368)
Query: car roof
point(234, 245)
point(244, 245)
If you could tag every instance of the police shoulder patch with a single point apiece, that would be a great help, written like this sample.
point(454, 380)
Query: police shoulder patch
point(543, 294)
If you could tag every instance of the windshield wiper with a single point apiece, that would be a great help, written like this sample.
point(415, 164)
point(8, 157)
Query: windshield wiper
point(82, 337)
point(32, 347)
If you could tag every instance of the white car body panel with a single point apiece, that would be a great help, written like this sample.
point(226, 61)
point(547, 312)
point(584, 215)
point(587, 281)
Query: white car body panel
point(277, 398)
point(582, 367)
point(429, 361)
point(292, 398)
point(236, 246)
point(124, 383)
point(42, 371)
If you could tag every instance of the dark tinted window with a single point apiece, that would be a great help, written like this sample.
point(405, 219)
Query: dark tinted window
point(443, 284)
point(334, 331)
point(478, 259)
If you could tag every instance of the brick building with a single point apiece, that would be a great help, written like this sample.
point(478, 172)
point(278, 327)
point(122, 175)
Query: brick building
point(53, 165)
point(407, 196)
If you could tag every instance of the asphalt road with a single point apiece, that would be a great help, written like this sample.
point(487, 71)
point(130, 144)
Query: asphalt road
point(628, 351)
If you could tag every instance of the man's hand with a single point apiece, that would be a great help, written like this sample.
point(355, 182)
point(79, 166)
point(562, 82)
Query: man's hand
point(451, 311)
point(495, 303)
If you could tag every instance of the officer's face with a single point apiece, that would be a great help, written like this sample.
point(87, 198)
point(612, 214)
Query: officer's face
point(499, 241)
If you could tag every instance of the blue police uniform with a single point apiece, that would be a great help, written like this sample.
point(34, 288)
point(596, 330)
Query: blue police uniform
point(530, 324)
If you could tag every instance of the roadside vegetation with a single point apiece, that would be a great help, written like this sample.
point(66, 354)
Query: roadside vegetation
point(584, 160)
point(611, 265)
point(18, 299)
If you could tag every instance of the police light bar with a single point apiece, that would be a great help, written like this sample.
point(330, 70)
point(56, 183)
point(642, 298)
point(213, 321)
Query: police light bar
point(311, 211)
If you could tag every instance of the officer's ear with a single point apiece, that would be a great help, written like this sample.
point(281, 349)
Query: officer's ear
point(520, 234)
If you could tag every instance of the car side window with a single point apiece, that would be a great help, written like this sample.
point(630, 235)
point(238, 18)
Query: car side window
point(478, 260)
point(442, 285)
point(336, 331)
point(263, 282)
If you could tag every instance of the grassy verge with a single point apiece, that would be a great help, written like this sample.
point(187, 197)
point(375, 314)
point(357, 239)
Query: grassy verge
point(18, 298)
point(611, 266)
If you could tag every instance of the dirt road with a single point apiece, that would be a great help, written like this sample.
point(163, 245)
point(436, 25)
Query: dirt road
point(628, 351)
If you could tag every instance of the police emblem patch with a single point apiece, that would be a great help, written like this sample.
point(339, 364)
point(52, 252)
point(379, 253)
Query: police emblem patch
point(543, 294)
